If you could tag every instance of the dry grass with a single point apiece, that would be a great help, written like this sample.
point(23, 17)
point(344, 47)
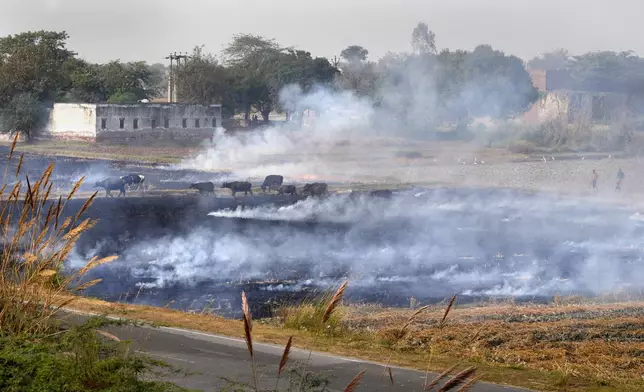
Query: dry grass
point(539, 362)
point(35, 245)
point(88, 150)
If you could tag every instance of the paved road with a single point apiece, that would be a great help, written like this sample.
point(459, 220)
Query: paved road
point(213, 357)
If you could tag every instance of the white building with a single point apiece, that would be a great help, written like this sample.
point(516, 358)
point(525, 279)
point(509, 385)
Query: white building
point(105, 121)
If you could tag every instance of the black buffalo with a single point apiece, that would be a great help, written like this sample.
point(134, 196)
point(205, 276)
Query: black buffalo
point(203, 187)
point(111, 184)
point(287, 189)
point(133, 179)
point(239, 186)
point(315, 189)
point(272, 181)
point(385, 193)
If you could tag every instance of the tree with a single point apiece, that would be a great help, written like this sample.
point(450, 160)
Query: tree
point(24, 114)
point(556, 59)
point(33, 63)
point(354, 53)
point(423, 39)
point(202, 79)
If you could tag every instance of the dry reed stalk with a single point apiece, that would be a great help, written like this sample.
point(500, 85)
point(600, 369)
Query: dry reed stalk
point(75, 188)
point(335, 300)
point(449, 307)
point(89, 284)
point(248, 329)
point(108, 335)
point(333, 304)
point(468, 385)
point(88, 202)
point(437, 379)
point(353, 385)
point(283, 360)
point(22, 156)
point(458, 379)
point(13, 146)
point(58, 211)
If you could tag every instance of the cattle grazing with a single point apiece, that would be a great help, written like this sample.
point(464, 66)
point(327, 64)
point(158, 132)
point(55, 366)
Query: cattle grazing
point(203, 187)
point(315, 189)
point(111, 184)
point(287, 189)
point(272, 181)
point(239, 186)
point(385, 193)
point(134, 179)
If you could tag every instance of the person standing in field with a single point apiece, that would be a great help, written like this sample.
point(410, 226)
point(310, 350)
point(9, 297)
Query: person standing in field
point(594, 179)
point(620, 178)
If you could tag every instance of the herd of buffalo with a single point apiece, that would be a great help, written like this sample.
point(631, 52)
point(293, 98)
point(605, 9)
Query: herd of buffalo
point(271, 183)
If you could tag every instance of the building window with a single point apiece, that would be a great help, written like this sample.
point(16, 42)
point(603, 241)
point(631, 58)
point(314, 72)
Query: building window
point(214, 122)
point(166, 123)
point(184, 123)
point(135, 123)
point(197, 123)
point(103, 123)
point(153, 123)
point(121, 123)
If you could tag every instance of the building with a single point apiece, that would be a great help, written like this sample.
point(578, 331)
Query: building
point(561, 98)
point(105, 122)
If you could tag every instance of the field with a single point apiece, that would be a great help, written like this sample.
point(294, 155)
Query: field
point(544, 342)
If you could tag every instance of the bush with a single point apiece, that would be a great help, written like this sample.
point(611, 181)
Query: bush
point(77, 360)
point(522, 147)
point(307, 316)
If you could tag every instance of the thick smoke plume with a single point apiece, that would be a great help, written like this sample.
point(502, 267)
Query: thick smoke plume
point(427, 244)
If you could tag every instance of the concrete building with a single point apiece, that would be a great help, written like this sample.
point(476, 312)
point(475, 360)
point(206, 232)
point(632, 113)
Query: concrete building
point(560, 98)
point(107, 122)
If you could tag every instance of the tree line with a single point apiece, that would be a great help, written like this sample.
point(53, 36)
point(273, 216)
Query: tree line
point(417, 90)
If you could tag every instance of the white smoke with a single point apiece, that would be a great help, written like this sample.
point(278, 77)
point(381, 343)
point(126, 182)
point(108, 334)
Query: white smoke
point(432, 244)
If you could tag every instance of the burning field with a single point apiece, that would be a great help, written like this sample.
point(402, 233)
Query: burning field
point(200, 252)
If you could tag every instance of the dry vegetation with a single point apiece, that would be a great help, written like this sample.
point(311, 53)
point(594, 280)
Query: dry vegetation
point(571, 345)
point(37, 352)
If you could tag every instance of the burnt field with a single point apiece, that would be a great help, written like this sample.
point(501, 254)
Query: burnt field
point(199, 252)
point(194, 252)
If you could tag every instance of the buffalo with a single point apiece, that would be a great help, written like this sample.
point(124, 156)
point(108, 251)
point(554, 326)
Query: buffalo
point(385, 193)
point(134, 179)
point(315, 189)
point(203, 187)
point(110, 184)
point(239, 186)
point(272, 181)
point(287, 189)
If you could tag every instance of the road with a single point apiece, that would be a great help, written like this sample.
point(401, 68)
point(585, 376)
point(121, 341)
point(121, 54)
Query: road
point(211, 359)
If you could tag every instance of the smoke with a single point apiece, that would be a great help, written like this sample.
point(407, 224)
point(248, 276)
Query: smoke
point(428, 245)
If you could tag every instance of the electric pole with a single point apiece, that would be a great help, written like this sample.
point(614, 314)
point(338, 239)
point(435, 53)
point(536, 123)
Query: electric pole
point(172, 82)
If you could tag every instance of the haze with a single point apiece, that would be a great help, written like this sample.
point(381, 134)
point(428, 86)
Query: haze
point(149, 29)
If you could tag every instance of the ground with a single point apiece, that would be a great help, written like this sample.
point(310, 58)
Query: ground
point(573, 344)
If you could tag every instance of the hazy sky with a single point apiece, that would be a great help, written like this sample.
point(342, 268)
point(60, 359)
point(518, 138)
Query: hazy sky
point(150, 29)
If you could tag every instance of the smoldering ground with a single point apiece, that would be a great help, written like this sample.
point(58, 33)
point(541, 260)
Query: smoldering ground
point(428, 244)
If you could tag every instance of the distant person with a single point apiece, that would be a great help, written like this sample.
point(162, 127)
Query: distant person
point(594, 179)
point(620, 178)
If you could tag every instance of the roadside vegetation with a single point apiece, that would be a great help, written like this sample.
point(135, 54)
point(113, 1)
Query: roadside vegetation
point(38, 351)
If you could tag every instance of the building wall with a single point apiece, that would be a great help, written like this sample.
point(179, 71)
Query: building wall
point(72, 120)
point(156, 116)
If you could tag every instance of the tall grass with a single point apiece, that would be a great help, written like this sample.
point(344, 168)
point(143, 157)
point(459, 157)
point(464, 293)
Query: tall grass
point(324, 309)
point(35, 243)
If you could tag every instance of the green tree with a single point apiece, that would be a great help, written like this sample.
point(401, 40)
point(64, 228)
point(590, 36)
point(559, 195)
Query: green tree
point(202, 79)
point(23, 114)
point(33, 62)
point(555, 59)
point(354, 53)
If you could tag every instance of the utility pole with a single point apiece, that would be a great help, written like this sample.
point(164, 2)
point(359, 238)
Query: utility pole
point(172, 82)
